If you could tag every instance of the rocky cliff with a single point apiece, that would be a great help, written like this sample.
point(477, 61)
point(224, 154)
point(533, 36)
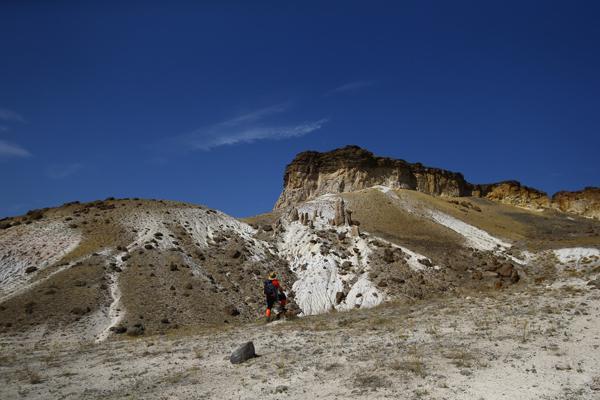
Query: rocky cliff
point(585, 202)
point(512, 193)
point(352, 168)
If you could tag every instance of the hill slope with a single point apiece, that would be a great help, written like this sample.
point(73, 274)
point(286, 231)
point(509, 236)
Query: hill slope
point(145, 266)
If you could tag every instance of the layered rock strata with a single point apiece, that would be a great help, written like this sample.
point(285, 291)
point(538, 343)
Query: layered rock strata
point(585, 202)
point(351, 168)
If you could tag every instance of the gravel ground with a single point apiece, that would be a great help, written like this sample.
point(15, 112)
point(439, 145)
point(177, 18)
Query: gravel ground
point(529, 342)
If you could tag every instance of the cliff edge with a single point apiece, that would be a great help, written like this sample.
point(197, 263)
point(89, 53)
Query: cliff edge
point(312, 174)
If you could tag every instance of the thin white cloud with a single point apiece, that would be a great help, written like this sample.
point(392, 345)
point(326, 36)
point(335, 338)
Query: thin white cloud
point(8, 150)
point(248, 128)
point(9, 115)
point(350, 87)
point(63, 171)
point(256, 115)
point(253, 134)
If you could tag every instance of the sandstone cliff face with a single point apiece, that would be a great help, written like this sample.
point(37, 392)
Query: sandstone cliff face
point(312, 174)
point(512, 193)
point(585, 202)
point(351, 168)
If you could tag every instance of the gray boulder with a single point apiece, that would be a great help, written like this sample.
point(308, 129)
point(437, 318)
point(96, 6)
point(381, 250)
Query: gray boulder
point(243, 353)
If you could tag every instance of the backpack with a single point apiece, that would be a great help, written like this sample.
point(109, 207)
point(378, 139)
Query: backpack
point(270, 290)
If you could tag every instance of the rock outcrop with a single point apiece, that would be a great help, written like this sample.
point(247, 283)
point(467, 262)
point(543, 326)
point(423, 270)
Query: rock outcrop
point(585, 202)
point(512, 193)
point(351, 168)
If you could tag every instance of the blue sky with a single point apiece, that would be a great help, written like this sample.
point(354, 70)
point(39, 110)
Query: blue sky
point(208, 102)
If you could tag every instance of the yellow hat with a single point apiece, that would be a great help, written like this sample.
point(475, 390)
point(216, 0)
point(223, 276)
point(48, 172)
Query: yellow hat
point(273, 275)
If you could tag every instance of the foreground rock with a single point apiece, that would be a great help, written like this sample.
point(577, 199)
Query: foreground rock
point(243, 353)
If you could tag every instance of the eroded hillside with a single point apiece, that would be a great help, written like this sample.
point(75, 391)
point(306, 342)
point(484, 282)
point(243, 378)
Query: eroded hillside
point(140, 266)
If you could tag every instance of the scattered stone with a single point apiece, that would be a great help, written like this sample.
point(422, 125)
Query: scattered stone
point(505, 270)
point(426, 262)
point(562, 366)
point(514, 278)
point(231, 310)
point(243, 353)
point(594, 283)
point(29, 270)
point(595, 384)
point(80, 310)
point(281, 389)
point(200, 255)
point(118, 329)
point(388, 255)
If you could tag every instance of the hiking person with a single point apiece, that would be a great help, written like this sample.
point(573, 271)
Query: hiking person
point(274, 294)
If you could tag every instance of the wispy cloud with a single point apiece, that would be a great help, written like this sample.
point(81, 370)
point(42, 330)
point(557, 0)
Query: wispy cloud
point(8, 150)
point(350, 87)
point(252, 134)
point(256, 115)
point(63, 171)
point(249, 128)
point(9, 115)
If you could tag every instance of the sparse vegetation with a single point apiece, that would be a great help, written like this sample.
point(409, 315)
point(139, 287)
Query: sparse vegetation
point(366, 380)
point(412, 362)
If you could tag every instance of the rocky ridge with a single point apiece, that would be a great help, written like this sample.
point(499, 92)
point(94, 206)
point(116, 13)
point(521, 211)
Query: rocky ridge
point(352, 168)
point(585, 202)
